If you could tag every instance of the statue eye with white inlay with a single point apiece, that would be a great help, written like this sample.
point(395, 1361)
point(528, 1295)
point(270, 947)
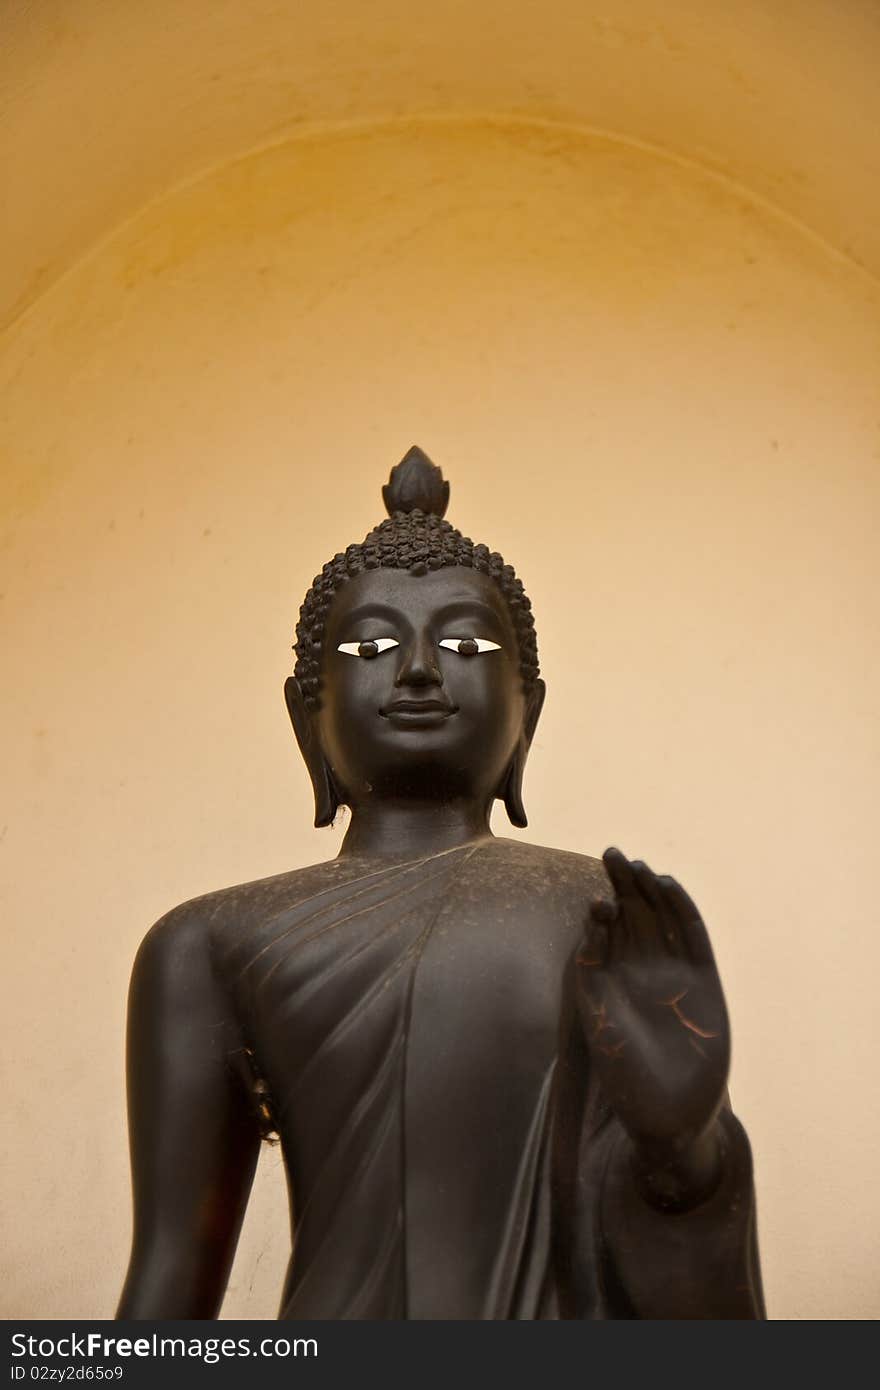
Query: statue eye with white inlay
point(469, 646)
point(372, 647)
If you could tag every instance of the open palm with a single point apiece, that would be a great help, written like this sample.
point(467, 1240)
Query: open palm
point(653, 1009)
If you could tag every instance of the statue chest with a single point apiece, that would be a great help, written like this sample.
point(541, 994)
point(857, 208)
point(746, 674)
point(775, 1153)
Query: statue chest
point(462, 975)
point(408, 1028)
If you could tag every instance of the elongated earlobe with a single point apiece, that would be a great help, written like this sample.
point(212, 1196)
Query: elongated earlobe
point(512, 793)
point(511, 789)
point(326, 800)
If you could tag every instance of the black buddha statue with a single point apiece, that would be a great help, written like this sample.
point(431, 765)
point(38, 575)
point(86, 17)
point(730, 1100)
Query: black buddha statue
point(497, 1071)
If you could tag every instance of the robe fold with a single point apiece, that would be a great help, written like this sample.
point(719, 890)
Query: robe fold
point(447, 1154)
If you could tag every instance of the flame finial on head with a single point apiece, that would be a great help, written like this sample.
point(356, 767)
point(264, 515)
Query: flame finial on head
point(416, 484)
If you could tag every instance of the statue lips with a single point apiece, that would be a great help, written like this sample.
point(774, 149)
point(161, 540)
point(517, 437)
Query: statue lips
point(418, 714)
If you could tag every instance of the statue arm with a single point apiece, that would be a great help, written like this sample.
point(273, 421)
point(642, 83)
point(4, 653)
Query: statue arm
point(671, 1167)
point(700, 1262)
point(193, 1135)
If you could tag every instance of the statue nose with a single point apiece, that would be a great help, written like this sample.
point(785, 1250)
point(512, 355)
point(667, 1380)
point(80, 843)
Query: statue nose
point(420, 665)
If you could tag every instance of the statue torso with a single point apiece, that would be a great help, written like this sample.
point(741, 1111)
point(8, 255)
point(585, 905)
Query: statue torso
point(407, 1021)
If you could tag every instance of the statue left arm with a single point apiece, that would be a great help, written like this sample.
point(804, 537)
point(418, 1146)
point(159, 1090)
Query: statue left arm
point(194, 1136)
point(676, 1206)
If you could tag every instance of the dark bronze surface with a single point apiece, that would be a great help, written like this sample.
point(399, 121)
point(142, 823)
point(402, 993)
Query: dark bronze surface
point(497, 1071)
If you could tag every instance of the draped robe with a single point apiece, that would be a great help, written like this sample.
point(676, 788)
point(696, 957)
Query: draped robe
point(447, 1153)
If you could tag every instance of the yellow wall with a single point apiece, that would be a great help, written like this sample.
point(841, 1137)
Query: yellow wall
point(104, 103)
point(653, 394)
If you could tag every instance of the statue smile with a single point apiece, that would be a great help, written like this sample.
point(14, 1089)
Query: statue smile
point(426, 713)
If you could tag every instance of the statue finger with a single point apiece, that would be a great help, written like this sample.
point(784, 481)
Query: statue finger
point(620, 872)
point(609, 920)
point(665, 929)
point(646, 882)
point(690, 925)
point(593, 951)
point(603, 910)
point(643, 911)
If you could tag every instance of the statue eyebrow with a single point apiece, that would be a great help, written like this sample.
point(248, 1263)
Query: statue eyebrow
point(379, 611)
point(466, 609)
point(469, 609)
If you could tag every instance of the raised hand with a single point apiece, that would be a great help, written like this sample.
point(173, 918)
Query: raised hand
point(654, 1016)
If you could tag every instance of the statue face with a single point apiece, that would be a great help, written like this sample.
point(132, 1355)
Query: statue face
point(406, 714)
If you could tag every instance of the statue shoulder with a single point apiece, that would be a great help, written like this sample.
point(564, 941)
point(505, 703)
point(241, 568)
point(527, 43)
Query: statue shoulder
point(172, 965)
point(541, 868)
point(189, 931)
point(192, 922)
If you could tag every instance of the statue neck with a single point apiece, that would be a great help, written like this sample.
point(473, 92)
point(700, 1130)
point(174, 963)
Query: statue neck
point(408, 830)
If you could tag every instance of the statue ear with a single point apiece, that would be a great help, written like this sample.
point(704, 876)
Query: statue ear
point(511, 788)
point(326, 800)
